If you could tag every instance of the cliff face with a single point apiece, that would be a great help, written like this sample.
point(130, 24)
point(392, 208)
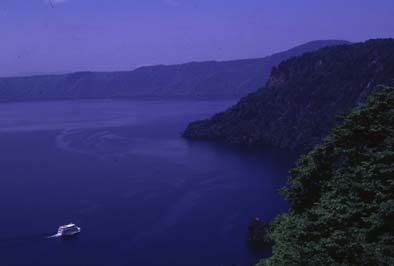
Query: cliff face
point(303, 97)
point(209, 79)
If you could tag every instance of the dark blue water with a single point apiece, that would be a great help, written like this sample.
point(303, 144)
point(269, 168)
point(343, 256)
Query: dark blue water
point(142, 195)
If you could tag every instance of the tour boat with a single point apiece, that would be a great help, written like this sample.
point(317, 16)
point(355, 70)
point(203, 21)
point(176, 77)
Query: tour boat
point(68, 230)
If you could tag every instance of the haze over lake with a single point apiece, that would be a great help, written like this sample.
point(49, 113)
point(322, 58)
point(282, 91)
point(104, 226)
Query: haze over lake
point(141, 194)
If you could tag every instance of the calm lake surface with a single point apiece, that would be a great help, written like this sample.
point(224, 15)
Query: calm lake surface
point(141, 194)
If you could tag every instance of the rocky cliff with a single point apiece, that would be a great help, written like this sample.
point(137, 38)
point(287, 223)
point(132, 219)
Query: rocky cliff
point(302, 97)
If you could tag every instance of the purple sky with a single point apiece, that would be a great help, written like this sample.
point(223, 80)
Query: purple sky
point(43, 36)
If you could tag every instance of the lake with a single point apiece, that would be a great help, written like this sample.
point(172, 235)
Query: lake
point(141, 194)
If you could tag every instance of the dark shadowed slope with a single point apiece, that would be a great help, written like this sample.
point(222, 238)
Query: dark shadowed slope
point(303, 97)
point(220, 79)
point(341, 194)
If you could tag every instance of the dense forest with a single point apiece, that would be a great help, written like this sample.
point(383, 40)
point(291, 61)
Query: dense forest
point(329, 103)
point(342, 194)
point(303, 97)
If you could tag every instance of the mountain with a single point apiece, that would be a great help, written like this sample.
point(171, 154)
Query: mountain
point(341, 194)
point(213, 79)
point(303, 97)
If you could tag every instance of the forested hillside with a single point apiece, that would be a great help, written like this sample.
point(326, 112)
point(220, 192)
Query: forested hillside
point(342, 195)
point(228, 79)
point(303, 97)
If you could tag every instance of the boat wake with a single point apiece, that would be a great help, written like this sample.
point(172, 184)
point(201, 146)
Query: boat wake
point(54, 236)
point(22, 240)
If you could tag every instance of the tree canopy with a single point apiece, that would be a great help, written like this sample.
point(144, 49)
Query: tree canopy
point(342, 194)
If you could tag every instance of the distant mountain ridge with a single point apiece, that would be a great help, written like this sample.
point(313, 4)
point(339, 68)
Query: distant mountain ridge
point(211, 79)
point(303, 97)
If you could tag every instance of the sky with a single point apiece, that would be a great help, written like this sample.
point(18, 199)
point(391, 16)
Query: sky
point(57, 36)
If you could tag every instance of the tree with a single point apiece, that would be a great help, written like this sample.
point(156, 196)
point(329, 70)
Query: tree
point(342, 194)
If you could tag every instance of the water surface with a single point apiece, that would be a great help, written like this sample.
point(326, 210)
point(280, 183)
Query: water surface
point(142, 194)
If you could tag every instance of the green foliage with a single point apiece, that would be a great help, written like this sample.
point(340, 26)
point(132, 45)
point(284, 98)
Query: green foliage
point(342, 195)
point(302, 98)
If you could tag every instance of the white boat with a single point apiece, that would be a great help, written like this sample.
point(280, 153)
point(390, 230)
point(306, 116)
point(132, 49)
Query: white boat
point(68, 230)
